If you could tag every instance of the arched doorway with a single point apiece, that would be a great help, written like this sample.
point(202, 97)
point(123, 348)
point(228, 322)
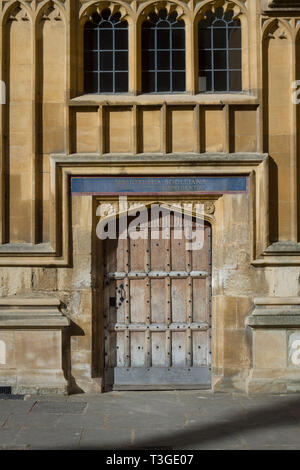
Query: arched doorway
point(157, 308)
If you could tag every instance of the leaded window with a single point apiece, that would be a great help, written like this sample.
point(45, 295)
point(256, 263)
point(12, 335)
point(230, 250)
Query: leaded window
point(220, 53)
point(106, 54)
point(163, 53)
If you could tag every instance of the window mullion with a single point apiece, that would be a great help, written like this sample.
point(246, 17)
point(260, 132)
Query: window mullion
point(227, 57)
point(155, 60)
point(171, 59)
point(212, 58)
point(114, 58)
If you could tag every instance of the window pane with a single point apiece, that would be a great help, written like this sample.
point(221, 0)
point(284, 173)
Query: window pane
point(168, 57)
point(219, 38)
point(178, 59)
point(148, 60)
point(235, 59)
point(164, 25)
point(163, 81)
point(219, 24)
point(91, 82)
point(163, 39)
point(220, 60)
point(121, 82)
point(235, 81)
point(178, 39)
point(121, 39)
point(106, 61)
point(91, 61)
point(106, 39)
point(205, 59)
point(205, 81)
point(204, 38)
point(178, 81)
point(148, 38)
point(148, 82)
point(106, 82)
point(121, 61)
point(163, 60)
point(219, 52)
point(220, 79)
point(91, 39)
point(235, 38)
point(106, 25)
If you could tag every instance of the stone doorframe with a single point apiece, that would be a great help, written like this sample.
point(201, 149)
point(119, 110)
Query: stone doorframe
point(240, 210)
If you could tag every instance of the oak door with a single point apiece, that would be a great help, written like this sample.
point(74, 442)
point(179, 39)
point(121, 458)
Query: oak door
point(157, 300)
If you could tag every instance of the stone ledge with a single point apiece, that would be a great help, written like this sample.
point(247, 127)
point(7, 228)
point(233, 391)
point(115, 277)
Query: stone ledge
point(28, 313)
point(284, 6)
point(230, 159)
point(280, 248)
point(275, 312)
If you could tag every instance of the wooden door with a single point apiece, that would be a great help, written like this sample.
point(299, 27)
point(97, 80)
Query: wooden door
point(157, 313)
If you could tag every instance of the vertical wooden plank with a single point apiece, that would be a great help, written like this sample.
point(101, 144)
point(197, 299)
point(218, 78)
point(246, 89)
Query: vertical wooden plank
point(199, 299)
point(178, 349)
point(200, 258)
point(139, 301)
point(127, 306)
point(189, 308)
point(149, 305)
point(137, 353)
point(199, 348)
point(158, 350)
point(158, 300)
point(138, 250)
point(106, 313)
point(179, 300)
point(168, 294)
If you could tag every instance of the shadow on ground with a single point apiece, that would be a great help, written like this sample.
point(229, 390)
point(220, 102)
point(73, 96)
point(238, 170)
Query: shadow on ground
point(280, 421)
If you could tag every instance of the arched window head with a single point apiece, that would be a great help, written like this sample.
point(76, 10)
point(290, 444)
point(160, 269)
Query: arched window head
point(220, 53)
point(106, 54)
point(163, 53)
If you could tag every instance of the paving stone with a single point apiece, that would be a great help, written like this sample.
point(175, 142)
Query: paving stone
point(135, 420)
point(31, 420)
point(11, 406)
point(59, 407)
point(53, 438)
point(101, 439)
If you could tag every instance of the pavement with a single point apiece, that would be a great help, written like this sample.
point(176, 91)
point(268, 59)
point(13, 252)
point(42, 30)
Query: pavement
point(175, 420)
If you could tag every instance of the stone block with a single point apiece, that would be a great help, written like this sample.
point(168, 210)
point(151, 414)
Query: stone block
point(269, 349)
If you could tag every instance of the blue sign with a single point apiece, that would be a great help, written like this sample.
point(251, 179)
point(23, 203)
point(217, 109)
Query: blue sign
point(127, 185)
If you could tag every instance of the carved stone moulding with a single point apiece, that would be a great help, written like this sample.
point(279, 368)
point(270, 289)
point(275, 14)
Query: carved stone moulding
point(276, 6)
